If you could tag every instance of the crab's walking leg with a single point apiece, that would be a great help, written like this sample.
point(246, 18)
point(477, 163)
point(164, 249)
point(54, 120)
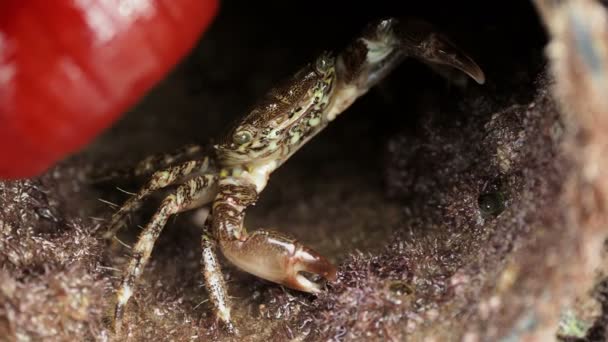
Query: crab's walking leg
point(267, 254)
point(382, 46)
point(159, 180)
point(214, 281)
point(149, 165)
point(192, 193)
point(162, 161)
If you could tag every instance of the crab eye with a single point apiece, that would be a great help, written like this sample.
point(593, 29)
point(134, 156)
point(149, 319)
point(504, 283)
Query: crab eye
point(324, 64)
point(242, 137)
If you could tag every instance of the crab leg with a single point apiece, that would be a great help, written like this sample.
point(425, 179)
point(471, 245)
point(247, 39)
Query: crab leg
point(382, 46)
point(159, 180)
point(421, 40)
point(149, 165)
point(214, 281)
point(163, 161)
point(192, 193)
point(266, 254)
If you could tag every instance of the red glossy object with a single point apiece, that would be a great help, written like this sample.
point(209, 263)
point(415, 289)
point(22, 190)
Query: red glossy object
point(70, 68)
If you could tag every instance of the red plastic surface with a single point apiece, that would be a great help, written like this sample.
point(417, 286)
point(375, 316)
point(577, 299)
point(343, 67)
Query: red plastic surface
point(70, 68)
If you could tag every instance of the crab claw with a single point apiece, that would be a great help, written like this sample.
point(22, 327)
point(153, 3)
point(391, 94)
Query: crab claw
point(421, 40)
point(280, 259)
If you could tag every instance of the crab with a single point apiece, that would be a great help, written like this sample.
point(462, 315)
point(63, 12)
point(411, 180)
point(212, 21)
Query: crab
point(231, 177)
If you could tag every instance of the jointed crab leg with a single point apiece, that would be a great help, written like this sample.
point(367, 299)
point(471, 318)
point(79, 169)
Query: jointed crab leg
point(166, 160)
point(159, 180)
point(214, 282)
point(421, 40)
point(190, 193)
point(151, 164)
point(383, 45)
point(267, 254)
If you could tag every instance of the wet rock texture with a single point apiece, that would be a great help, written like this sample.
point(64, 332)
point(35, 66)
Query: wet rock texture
point(447, 207)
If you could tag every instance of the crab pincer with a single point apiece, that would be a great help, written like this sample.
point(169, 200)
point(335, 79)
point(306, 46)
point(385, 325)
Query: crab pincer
point(278, 258)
